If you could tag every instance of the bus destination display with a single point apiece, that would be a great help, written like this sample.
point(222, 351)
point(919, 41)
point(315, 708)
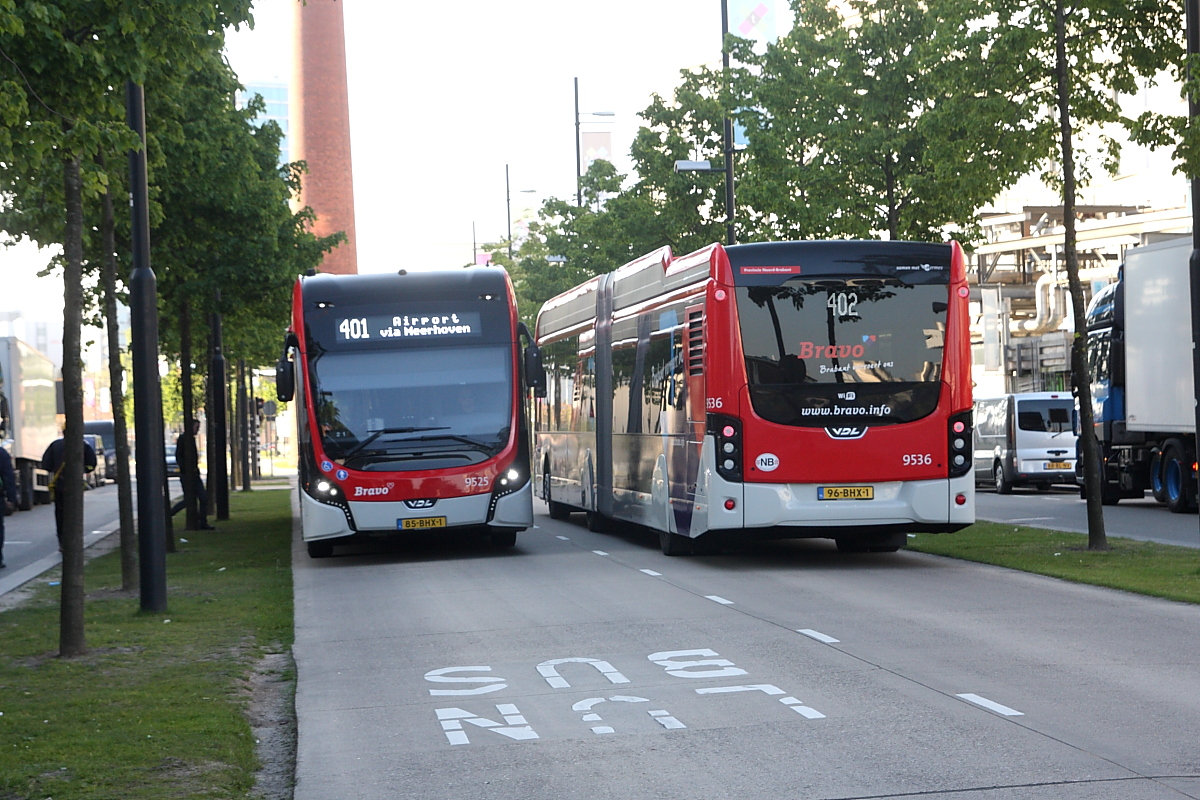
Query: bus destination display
point(463, 324)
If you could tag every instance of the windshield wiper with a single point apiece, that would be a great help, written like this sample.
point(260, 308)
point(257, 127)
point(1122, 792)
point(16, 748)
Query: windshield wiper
point(379, 433)
point(481, 444)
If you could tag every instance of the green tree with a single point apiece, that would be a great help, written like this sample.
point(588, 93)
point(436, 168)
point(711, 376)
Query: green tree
point(61, 61)
point(1074, 60)
point(878, 116)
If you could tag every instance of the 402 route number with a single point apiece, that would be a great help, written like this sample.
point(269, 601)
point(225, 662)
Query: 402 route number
point(917, 459)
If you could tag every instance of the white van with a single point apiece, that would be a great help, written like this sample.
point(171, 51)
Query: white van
point(1025, 440)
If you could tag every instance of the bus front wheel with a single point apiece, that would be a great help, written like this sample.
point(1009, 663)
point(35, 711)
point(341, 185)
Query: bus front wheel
point(320, 549)
point(557, 510)
point(506, 538)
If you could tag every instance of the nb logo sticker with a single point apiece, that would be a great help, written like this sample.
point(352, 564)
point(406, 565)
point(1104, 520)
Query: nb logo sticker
point(847, 432)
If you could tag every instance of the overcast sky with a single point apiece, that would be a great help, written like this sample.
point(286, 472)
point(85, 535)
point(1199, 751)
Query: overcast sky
point(443, 95)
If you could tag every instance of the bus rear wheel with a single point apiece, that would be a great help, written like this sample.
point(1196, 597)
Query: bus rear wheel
point(673, 544)
point(320, 549)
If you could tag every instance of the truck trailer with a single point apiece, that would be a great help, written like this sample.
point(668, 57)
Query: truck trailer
point(1140, 354)
point(28, 416)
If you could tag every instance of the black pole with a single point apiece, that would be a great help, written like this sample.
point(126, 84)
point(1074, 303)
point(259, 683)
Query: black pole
point(147, 402)
point(243, 411)
point(217, 380)
point(578, 153)
point(1193, 48)
point(730, 235)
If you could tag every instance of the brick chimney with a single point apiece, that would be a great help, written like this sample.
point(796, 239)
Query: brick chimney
point(319, 122)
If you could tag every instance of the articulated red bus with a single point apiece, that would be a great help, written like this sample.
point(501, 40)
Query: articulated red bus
point(789, 389)
point(409, 391)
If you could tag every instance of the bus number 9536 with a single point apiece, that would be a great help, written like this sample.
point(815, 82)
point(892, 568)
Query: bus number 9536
point(917, 459)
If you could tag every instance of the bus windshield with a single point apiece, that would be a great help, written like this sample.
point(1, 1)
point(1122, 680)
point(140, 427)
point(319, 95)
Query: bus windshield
point(413, 408)
point(843, 351)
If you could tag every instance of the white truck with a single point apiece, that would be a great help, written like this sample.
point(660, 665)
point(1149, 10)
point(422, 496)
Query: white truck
point(28, 416)
point(1140, 352)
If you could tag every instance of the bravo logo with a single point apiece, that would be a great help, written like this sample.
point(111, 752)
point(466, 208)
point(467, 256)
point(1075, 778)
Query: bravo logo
point(372, 491)
point(811, 350)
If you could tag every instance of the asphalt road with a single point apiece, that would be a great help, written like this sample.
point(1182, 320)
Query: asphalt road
point(1062, 510)
point(31, 547)
point(584, 665)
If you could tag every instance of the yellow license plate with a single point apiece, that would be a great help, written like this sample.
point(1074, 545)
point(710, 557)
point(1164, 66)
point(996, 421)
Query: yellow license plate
point(1059, 465)
point(421, 523)
point(845, 492)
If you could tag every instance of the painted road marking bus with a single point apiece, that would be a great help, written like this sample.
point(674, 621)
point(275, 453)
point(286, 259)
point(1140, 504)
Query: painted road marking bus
point(788, 389)
point(411, 417)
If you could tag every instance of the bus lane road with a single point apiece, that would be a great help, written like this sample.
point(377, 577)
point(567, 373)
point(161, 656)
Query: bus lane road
point(590, 665)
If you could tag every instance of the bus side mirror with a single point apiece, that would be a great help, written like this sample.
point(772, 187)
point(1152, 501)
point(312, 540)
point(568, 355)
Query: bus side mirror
point(285, 378)
point(535, 373)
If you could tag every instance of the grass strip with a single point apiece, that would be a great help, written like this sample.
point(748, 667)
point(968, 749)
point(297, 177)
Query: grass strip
point(1149, 568)
point(157, 708)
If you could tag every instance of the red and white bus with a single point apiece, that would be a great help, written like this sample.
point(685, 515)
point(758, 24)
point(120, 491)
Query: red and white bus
point(409, 391)
point(775, 390)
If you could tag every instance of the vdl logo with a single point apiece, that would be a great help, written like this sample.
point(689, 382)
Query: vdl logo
point(847, 432)
point(414, 504)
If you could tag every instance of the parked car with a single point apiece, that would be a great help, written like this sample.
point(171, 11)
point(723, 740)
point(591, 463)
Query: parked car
point(106, 430)
point(1025, 440)
point(172, 464)
point(97, 477)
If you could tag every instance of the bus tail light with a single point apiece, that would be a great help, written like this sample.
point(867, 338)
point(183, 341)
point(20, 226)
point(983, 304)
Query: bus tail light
point(960, 444)
point(727, 433)
point(960, 499)
point(730, 504)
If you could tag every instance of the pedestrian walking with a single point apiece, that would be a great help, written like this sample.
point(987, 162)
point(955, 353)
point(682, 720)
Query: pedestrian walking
point(53, 461)
point(187, 456)
point(8, 487)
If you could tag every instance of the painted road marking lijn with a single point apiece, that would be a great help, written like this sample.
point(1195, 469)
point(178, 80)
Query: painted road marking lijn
point(991, 706)
point(820, 637)
point(718, 599)
point(564, 538)
point(600, 552)
point(651, 573)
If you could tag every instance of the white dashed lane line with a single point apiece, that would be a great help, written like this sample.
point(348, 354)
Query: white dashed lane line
point(718, 599)
point(600, 552)
point(820, 637)
point(651, 573)
point(983, 702)
point(564, 538)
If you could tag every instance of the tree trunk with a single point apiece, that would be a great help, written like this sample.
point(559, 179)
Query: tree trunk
point(1093, 475)
point(71, 641)
point(188, 462)
point(116, 380)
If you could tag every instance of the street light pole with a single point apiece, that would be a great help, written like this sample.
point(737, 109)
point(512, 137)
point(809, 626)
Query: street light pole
point(730, 234)
point(578, 153)
point(508, 210)
point(148, 424)
point(579, 147)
